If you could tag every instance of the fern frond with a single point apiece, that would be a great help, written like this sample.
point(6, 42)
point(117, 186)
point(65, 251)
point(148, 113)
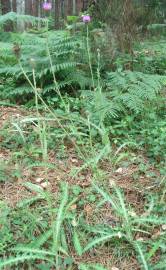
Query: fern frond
point(63, 50)
point(13, 17)
point(134, 89)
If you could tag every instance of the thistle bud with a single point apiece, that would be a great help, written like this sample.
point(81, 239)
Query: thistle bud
point(32, 62)
point(16, 50)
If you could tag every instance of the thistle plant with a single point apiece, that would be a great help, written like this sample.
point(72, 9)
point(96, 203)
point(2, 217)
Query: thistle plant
point(87, 19)
point(47, 6)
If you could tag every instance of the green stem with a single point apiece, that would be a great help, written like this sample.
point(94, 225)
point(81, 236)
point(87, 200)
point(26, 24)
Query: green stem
point(50, 111)
point(67, 110)
point(98, 71)
point(52, 71)
point(89, 57)
point(41, 126)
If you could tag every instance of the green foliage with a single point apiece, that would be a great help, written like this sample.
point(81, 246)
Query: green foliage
point(130, 224)
point(134, 90)
point(14, 17)
point(71, 226)
point(124, 92)
point(153, 137)
point(63, 50)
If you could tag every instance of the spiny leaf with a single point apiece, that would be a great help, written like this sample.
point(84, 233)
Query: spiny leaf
point(141, 256)
point(41, 240)
point(19, 259)
point(34, 187)
point(60, 217)
point(100, 240)
point(77, 244)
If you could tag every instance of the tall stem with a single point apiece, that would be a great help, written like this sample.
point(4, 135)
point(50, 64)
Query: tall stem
point(51, 111)
point(98, 72)
point(52, 71)
point(89, 56)
point(41, 125)
point(36, 94)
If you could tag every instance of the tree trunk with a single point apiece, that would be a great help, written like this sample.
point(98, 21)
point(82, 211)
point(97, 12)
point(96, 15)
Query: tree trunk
point(79, 6)
point(14, 5)
point(21, 10)
point(35, 8)
point(126, 30)
point(28, 7)
point(74, 7)
point(6, 7)
point(57, 14)
point(68, 7)
point(28, 11)
point(85, 5)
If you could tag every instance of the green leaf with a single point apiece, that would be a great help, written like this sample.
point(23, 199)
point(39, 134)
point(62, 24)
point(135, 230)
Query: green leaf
point(100, 240)
point(60, 217)
point(141, 256)
point(153, 250)
point(77, 243)
point(34, 187)
point(91, 267)
point(41, 240)
point(30, 201)
point(19, 259)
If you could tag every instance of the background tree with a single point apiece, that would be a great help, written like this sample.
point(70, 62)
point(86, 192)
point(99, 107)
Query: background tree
point(28, 7)
point(57, 14)
point(5, 8)
point(14, 5)
point(35, 7)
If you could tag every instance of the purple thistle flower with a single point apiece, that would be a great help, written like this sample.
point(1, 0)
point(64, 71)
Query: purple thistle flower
point(47, 6)
point(86, 18)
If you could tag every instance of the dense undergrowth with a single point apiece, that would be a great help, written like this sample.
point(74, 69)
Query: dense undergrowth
point(83, 153)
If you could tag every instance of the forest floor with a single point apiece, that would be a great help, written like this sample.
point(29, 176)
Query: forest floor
point(20, 164)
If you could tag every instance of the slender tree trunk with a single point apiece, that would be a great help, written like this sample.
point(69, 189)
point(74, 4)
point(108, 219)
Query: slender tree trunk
point(21, 10)
point(28, 7)
point(79, 5)
point(57, 14)
point(14, 5)
point(6, 7)
point(69, 7)
point(36, 8)
point(85, 4)
point(28, 11)
point(74, 7)
point(14, 9)
point(125, 30)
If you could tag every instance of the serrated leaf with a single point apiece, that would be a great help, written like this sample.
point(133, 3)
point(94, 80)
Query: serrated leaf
point(77, 244)
point(34, 188)
point(100, 240)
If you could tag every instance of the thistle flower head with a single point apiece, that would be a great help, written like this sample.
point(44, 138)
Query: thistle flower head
point(47, 6)
point(86, 18)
